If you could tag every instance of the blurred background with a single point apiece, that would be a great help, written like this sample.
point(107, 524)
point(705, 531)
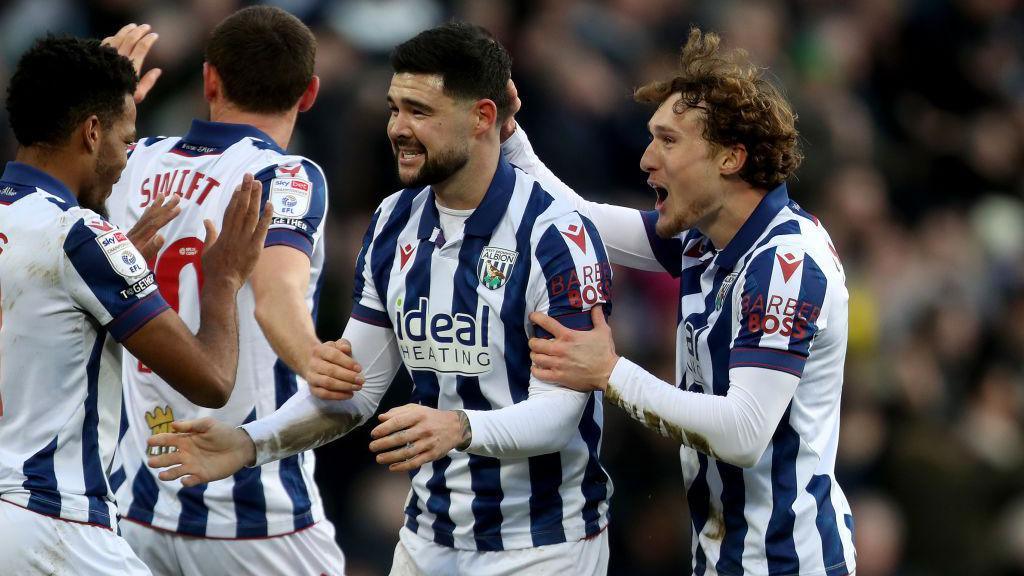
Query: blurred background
point(912, 118)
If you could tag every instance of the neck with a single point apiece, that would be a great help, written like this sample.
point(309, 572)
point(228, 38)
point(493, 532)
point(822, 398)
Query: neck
point(738, 204)
point(54, 161)
point(465, 189)
point(278, 126)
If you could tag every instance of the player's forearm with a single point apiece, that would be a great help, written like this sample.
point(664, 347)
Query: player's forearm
point(217, 356)
point(518, 150)
point(286, 322)
point(544, 423)
point(305, 422)
point(735, 428)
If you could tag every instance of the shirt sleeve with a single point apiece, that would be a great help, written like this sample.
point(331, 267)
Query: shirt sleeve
point(575, 274)
point(108, 278)
point(734, 428)
point(781, 304)
point(628, 234)
point(298, 191)
point(367, 305)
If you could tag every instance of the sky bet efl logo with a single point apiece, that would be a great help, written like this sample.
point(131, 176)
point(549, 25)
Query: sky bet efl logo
point(442, 342)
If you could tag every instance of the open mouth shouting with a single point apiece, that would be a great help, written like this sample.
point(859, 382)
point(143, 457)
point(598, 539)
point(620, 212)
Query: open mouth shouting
point(660, 191)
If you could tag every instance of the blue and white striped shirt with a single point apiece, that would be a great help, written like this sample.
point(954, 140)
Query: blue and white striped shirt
point(68, 279)
point(203, 167)
point(775, 297)
point(459, 308)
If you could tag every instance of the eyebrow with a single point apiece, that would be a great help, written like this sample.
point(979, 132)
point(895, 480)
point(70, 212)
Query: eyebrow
point(660, 128)
point(412, 103)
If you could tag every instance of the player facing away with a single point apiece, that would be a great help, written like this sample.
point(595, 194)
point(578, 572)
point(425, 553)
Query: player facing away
point(258, 76)
point(505, 472)
point(762, 331)
point(73, 286)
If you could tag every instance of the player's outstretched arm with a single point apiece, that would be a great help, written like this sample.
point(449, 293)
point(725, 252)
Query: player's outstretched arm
point(629, 238)
point(202, 367)
point(208, 450)
point(279, 284)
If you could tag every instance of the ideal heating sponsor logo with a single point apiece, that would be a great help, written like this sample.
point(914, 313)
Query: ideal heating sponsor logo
point(441, 342)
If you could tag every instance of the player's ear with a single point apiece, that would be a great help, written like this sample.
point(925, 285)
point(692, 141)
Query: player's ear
point(91, 132)
point(211, 82)
point(309, 96)
point(486, 114)
point(731, 159)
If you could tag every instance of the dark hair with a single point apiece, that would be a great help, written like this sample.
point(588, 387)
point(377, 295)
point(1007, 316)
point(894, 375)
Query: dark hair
point(264, 57)
point(740, 107)
point(471, 63)
point(60, 82)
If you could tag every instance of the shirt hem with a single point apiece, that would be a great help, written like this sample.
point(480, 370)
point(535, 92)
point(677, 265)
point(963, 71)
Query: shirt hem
point(61, 518)
point(173, 532)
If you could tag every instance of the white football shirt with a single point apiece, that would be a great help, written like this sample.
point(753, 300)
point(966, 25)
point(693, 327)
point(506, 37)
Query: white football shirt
point(68, 280)
point(203, 167)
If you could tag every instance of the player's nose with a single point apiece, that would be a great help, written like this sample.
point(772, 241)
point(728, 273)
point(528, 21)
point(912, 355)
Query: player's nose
point(647, 163)
point(398, 127)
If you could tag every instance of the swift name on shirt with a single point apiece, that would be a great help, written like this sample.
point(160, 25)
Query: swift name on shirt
point(442, 342)
point(182, 182)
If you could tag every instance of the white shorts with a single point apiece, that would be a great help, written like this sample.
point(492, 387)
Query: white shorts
point(417, 556)
point(32, 543)
point(308, 551)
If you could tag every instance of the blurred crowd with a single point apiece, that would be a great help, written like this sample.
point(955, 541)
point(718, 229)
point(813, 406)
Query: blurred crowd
point(912, 122)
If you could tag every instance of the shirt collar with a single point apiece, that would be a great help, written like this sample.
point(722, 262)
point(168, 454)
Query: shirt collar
point(772, 203)
point(222, 134)
point(487, 215)
point(25, 175)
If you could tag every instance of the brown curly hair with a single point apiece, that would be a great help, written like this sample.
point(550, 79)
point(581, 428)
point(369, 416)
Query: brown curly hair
point(740, 107)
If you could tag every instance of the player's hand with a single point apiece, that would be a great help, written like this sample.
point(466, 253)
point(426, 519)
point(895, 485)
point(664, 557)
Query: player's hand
point(412, 435)
point(133, 42)
point(575, 359)
point(144, 234)
point(332, 373)
point(206, 450)
point(508, 127)
point(231, 254)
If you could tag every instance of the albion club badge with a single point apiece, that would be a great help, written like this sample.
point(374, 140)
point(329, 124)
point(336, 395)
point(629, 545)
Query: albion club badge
point(727, 283)
point(496, 266)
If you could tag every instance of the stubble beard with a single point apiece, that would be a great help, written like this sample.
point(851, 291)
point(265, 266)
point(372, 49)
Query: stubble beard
point(671, 224)
point(436, 168)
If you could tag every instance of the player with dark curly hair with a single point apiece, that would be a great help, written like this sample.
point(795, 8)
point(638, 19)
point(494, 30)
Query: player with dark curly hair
point(69, 278)
point(762, 330)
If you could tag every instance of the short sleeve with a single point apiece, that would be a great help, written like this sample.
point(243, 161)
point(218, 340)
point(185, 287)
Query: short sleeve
point(298, 191)
point(575, 273)
point(780, 304)
point(367, 304)
point(108, 278)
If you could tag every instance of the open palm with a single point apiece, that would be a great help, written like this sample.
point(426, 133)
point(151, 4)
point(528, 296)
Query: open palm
point(204, 450)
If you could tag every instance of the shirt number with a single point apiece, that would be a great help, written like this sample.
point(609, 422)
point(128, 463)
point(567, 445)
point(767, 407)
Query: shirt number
point(168, 267)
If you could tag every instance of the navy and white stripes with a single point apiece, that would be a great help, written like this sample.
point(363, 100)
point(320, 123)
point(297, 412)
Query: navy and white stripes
point(459, 308)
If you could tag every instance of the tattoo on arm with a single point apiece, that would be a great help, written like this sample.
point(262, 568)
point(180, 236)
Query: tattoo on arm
point(467, 431)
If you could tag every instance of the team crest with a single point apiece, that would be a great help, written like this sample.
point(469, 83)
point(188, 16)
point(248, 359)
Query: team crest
point(727, 283)
point(496, 266)
point(159, 422)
